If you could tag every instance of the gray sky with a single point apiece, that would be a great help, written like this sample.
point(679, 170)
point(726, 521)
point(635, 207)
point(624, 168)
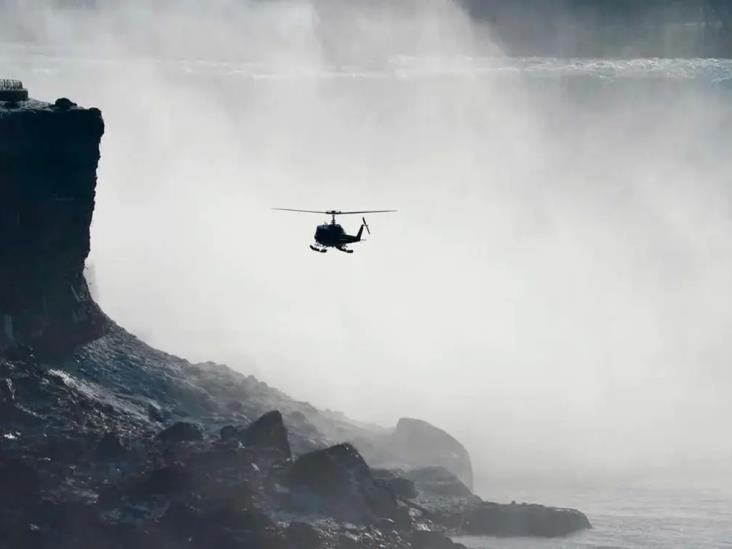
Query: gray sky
point(554, 284)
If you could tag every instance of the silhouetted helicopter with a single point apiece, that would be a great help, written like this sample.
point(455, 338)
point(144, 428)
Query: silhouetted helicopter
point(332, 235)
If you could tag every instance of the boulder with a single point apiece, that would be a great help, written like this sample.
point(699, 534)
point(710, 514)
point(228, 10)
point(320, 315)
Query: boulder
point(338, 482)
point(420, 444)
point(495, 519)
point(268, 432)
point(415, 443)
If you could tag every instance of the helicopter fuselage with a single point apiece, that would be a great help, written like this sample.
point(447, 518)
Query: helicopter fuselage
point(332, 235)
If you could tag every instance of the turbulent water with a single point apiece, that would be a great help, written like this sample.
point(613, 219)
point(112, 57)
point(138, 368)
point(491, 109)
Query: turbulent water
point(622, 517)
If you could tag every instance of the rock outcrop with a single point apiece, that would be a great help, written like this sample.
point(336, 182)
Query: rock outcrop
point(266, 433)
point(338, 482)
point(48, 161)
point(442, 498)
point(416, 443)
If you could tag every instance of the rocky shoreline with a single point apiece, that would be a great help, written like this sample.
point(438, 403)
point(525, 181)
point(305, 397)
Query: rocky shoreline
point(106, 442)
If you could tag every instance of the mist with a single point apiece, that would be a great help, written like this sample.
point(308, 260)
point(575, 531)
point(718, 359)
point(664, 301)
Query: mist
point(551, 292)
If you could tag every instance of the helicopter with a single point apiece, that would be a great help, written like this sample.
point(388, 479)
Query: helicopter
point(332, 235)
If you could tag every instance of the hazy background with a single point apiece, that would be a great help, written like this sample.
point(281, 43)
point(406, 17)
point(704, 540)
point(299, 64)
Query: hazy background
point(553, 290)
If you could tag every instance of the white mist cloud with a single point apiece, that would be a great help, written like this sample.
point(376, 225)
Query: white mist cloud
point(552, 290)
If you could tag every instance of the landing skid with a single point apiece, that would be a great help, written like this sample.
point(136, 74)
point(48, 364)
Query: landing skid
point(346, 250)
point(316, 249)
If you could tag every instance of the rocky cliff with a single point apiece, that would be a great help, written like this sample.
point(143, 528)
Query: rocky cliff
point(48, 161)
point(106, 442)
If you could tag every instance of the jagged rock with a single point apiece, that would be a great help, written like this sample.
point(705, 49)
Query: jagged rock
point(338, 482)
point(181, 431)
point(494, 519)
point(268, 432)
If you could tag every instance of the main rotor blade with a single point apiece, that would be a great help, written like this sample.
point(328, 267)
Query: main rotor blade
point(334, 212)
point(303, 211)
point(366, 212)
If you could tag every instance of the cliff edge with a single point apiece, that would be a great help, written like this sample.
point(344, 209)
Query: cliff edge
point(48, 162)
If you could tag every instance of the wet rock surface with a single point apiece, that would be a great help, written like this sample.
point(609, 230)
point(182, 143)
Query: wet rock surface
point(106, 442)
point(84, 464)
point(338, 482)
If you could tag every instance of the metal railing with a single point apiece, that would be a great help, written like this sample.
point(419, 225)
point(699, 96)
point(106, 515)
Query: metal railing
point(9, 84)
point(12, 90)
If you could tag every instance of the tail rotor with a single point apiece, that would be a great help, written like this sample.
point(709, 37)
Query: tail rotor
point(363, 219)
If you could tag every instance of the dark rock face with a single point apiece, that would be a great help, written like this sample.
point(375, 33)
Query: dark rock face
point(416, 443)
point(267, 432)
point(48, 161)
point(337, 481)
